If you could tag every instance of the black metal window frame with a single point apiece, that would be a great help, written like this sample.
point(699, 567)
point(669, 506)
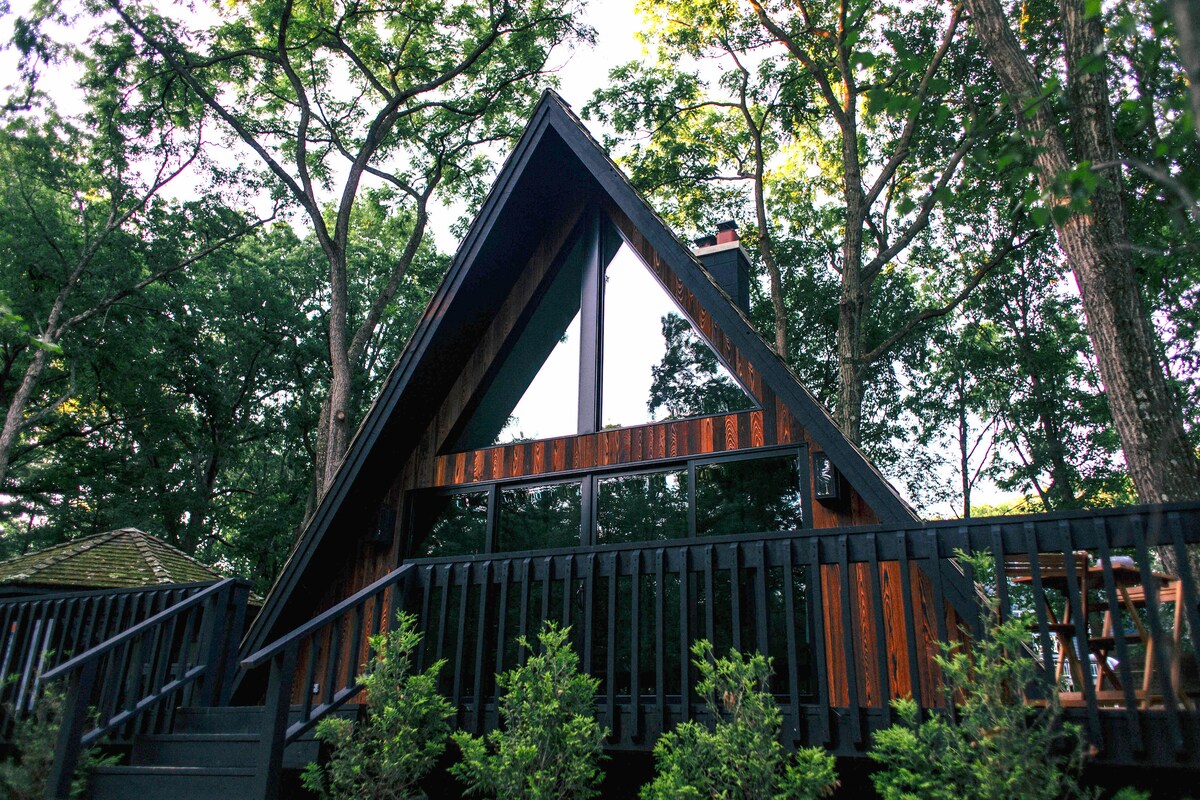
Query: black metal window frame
point(602, 240)
point(589, 480)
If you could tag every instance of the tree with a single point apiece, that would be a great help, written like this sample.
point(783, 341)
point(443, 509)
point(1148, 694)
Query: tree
point(1080, 177)
point(407, 725)
point(329, 97)
point(550, 743)
point(84, 228)
point(741, 758)
point(810, 98)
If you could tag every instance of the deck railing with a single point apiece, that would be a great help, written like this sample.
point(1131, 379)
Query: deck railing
point(334, 648)
point(134, 681)
point(852, 619)
point(39, 633)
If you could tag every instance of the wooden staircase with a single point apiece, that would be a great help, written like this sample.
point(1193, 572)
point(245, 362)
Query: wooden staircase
point(210, 754)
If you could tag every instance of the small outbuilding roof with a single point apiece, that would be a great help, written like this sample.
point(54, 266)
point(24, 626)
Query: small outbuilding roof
point(123, 558)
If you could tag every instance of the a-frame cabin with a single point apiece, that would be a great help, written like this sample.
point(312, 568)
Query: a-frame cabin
point(429, 476)
point(504, 477)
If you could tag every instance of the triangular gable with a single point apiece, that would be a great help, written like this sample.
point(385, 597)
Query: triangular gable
point(555, 171)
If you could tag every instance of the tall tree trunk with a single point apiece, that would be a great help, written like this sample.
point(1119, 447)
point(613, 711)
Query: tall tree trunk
point(853, 300)
point(1146, 414)
point(334, 437)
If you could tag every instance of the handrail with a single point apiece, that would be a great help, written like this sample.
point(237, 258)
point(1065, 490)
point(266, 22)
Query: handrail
point(132, 633)
point(336, 688)
point(137, 670)
point(257, 659)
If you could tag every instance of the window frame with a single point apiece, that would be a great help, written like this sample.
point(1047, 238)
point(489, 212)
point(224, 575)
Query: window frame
point(590, 492)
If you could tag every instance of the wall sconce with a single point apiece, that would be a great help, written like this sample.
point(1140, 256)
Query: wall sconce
point(827, 481)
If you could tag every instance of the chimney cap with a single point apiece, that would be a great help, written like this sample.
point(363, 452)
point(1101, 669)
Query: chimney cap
point(706, 241)
point(727, 225)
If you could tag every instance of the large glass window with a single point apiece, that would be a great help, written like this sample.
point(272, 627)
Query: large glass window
point(539, 517)
point(449, 524)
point(642, 507)
point(748, 496)
point(656, 366)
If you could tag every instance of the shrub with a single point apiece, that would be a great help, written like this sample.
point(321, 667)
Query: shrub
point(404, 730)
point(24, 776)
point(995, 746)
point(741, 757)
point(549, 746)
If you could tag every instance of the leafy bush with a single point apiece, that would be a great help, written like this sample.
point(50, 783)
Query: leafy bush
point(24, 776)
point(995, 746)
point(741, 757)
point(384, 756)
point(549, 746)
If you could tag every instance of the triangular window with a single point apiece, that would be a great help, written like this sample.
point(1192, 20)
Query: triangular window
point(604, 346)
point(656, 366)
point(534, 393)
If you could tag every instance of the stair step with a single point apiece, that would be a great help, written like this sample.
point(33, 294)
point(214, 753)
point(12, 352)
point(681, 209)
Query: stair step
point(215, 750)
point(176, 783)
point(236, 719)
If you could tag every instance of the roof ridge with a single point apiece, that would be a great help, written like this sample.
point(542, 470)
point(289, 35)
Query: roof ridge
point(175, 551)
point(139, 541)
point(71, 549)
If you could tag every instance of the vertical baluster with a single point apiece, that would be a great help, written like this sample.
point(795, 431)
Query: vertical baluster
point(310, 674)
point(568, 562)
point(910, 620)
point(447, 585)
point(880, 625)
point(660, 638)
point(815, 609)
point(1157, 634)
point(1190, 593)
point(635, 644)
point(789, 621)
point(762, 609)
point(332, 660)
point(610, 678)
point(735, 595)
point(526, 591)
point(484, 573)
point(158, 678)
point(1076, 601)
point(710, 600)
point(589, 581)
point(358, 618)
point(502, 615)
point(1132, 720)
point(425, 581)
point(855, 711)
point(463, 572)
point(685, 636)
point(547, 582)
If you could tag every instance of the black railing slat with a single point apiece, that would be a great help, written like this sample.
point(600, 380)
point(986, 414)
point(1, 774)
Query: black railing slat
point(635, 646)
point(910, 621)
point(610, 675)
point(1150, 584)
point(447, 587)
point(526, 590)
point(735, 594)
point(881, 640)
point(1077, 604)
point(461, 575)
point(481, 629)
point(761, 610)
point(793, 655)
point(425, 582)
point(1132, 721)
point(660, 634)
point(1188, 589)
point(1039, 603)
point(710, 600)
point(848, 641)
point(502, 614)
point(816, 612)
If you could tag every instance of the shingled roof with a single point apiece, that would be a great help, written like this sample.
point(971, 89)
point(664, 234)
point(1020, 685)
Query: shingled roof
point(122, 558)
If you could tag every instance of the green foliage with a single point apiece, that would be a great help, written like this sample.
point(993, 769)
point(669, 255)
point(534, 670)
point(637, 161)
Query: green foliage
point(741, 758)
point(384, 756)
point(549, 745)
point(24, 775)
point(995, 746)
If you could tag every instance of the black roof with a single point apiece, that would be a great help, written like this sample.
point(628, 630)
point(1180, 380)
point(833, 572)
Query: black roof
point(556, 158)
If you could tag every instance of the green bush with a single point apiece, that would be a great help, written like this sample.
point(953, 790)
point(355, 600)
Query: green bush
point(741, 758)
point(406, 725)
point(24, 776)
point(549, 746)
point(995, 746)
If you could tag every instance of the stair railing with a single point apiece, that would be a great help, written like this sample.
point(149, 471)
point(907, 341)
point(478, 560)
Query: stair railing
point(185, 653)
point(333, 664)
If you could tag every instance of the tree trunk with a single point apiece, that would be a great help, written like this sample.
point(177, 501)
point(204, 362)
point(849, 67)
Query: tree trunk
point(14, 418)
point(1146, 414)
point(333, 437)
point(853, 300)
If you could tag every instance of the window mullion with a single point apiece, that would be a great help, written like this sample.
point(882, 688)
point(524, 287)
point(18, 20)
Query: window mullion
point(591, 320)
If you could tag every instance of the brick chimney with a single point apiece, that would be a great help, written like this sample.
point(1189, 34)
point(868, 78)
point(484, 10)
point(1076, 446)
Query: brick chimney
point(725, 260)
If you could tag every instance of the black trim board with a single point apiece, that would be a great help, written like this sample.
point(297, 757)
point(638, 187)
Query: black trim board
point(553, 120)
